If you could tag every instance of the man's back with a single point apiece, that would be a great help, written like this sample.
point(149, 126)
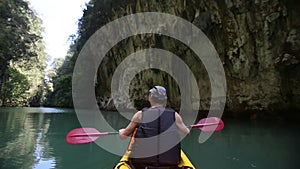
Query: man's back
point(157, 139)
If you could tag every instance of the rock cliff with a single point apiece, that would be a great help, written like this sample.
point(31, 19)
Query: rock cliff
point(258, 42)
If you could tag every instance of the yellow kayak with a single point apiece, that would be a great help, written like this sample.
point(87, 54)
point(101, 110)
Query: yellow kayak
point(184, 164)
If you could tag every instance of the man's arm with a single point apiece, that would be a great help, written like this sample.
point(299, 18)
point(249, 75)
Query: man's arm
point(135, 121)
point(180, 125)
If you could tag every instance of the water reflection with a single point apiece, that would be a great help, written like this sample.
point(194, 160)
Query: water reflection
point(34, 138)
point(23, 143)
point(42, 159)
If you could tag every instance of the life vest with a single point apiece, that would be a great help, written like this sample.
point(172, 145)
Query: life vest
point(157, 141)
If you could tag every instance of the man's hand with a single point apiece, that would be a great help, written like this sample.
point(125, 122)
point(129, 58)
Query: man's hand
point(122, 134)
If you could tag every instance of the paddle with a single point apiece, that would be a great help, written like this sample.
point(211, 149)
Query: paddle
point(209, 124)
point(87, 135)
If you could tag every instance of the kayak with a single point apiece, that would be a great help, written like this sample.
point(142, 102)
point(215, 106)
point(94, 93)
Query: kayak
point(124, 164)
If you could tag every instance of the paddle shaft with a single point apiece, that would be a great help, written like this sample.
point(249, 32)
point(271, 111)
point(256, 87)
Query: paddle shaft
point(202, 125)
point(95, 134)
point(114, 133)
point(87, 135)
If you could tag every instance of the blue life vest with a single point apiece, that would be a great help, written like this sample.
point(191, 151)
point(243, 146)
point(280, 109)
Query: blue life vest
point(157, 141)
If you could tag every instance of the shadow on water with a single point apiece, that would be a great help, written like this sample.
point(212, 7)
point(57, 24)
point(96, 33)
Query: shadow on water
point(34, 138)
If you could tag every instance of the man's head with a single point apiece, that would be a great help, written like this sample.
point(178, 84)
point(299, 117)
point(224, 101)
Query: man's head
point(159, 94)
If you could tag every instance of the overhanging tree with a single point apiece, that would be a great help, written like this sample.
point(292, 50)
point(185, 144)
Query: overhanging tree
point(18, 41)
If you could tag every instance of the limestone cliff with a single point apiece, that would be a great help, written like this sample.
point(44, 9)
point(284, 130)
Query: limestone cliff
point(258, 42)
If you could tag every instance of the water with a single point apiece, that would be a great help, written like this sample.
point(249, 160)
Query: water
point(34, 138)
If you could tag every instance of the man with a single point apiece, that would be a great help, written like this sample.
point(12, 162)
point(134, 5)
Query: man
point(157, 140)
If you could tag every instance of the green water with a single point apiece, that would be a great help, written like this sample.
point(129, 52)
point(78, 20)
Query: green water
point(34, 138)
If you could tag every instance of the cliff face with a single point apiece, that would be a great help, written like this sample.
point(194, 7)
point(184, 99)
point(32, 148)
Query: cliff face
point(258, 42)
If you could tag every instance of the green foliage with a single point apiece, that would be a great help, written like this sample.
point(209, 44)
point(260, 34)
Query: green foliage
point(22, 49)
point(60, 93)
point(59, 85)
point(61, 96)
point(64, 91)
point(94, 16)
point(15, 88)
point(16, 35)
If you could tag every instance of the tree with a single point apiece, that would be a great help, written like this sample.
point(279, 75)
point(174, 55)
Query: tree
point(14, 88)
point(21, 45)
point(17, 40)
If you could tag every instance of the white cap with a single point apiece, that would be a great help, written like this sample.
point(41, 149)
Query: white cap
point(159, 92)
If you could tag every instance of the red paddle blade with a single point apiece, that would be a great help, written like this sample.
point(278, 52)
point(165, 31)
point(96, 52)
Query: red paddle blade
point(209, 124)
point(82, 135)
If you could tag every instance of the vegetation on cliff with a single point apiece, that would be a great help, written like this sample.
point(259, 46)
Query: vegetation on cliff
point(257, 41)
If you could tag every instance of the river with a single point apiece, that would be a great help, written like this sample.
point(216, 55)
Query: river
point(34, 138)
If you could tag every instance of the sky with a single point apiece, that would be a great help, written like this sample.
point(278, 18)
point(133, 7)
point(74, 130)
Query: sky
point(60, 20)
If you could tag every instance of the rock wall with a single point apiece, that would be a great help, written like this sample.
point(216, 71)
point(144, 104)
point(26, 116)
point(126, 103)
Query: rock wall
point(258, 42)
